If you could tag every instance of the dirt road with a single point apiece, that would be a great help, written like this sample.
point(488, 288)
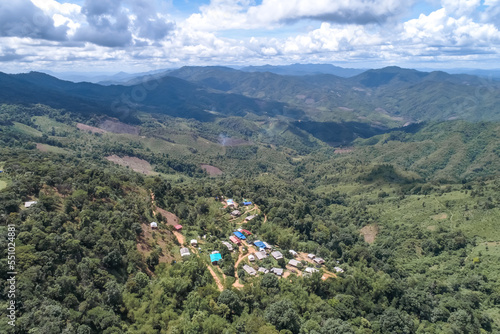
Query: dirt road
point(242, 256)
point(216, 278)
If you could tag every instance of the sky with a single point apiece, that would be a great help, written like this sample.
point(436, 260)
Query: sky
point(145, 35)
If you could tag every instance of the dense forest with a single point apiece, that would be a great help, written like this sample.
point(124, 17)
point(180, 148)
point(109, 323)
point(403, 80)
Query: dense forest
point(406, 221)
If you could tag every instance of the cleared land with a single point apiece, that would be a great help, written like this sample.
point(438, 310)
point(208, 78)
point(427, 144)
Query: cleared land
point(3, 184)
point(27, 129)
point(147, 242)
point(85, 127)
point(211, 170)
point(119, 127)
point(369, 232)
point(136, 164)
point(49, 148)
point(226, 141)
point(344, 150)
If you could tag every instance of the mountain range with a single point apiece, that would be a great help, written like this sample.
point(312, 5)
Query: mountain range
point(365, 104)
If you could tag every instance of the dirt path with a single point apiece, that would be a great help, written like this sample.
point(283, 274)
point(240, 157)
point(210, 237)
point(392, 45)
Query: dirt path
point(180, 237)
point(303, 256)
point(153, 202)
point(254, 208)
point(265, 218)
point(170, 218)
point(216, 278)
point(241, 257)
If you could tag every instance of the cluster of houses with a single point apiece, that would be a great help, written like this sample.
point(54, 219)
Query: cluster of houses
point(297, 264)
point(230, 202)
point(239, 236)
point(264, 250)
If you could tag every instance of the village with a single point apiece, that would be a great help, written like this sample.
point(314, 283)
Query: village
point(251, 256)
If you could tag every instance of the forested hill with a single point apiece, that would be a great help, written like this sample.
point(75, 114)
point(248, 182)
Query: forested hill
point(387, 95)
point(168, 95)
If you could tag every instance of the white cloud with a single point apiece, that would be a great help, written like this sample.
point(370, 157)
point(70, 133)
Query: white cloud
point(134, 33)
point(459, 8)
point(439, 29)
point(244, 14)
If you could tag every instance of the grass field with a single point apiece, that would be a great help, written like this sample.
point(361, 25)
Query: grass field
point(46, 124)
point(3, 184)
point(27, 129)
point(52, 149)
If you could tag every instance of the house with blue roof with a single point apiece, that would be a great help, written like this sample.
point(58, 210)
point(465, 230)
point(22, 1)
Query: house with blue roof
point(239, 235)
point(259, 244)
point(215, 258)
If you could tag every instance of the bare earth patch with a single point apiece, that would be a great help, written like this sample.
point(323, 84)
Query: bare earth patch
point(49, 148)
point(328, 274)
point(146, 243)
point(440, 216)
point(170, 218)
point(41, 147)
point(227, 141)
point(136, 164)
point(85, 127)
point(303, 257)
point(211, 170)
point(343, 150)
point(119, 127)
point(369, 232)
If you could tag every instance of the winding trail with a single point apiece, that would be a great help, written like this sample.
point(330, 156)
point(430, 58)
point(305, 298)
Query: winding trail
point(241, 257)
point(216, 278)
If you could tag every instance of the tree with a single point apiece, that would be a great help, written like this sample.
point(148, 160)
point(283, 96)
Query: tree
point(142, 279)
point(270, 282)
point(113, 294)
point(113, 259)
point(397, 322)
point(231, 299)
point(283, 316)
point(336, 326)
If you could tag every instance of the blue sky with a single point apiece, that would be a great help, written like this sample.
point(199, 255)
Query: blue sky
point(143, 35)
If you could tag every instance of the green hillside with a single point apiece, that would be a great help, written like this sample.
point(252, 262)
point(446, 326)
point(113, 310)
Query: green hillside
point(389, 96)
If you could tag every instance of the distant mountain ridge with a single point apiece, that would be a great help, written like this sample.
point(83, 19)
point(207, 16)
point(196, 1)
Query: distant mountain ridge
point(167, 95)
point(305, 69)
point(388, 95)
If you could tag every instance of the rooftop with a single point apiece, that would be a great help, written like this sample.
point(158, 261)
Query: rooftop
point(184, 251)
point(249, 270)
point(277, 271)
point(261, 255)
point(215, 257)
point(277, 255)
